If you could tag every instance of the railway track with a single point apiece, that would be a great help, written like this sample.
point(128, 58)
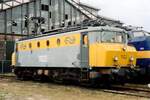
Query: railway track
point(132, 90)
point(7, 76)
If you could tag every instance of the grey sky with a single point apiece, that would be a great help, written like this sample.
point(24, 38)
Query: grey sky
point(130, 12)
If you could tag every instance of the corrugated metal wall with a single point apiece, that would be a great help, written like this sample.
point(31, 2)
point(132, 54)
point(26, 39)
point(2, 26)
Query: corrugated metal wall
point(55, 12)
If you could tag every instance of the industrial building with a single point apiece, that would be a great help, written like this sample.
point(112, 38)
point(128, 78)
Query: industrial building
point(19, 18)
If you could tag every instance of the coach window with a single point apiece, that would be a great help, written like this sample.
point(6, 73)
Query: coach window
point(38, 44)
point(47, 43)
point(16, 47)
point(58, 42)
point(30, 45)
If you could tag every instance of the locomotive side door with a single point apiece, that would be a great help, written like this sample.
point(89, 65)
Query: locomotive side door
point(84, 50)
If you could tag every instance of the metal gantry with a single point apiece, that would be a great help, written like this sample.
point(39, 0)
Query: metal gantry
point(83, 10)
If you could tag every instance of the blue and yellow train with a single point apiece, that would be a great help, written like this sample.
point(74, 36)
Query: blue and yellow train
point(89, 54)
point(141, 41)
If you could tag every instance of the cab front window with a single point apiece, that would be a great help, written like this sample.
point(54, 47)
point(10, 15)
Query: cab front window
point(140, 33)
point(113, 37)
point(108, 37)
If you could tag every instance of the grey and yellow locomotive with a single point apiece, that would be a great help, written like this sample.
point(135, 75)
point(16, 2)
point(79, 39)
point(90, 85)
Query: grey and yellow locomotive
point(91, 53)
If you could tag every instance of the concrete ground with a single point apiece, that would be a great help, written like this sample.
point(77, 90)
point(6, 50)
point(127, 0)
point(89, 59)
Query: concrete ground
point(29, 90)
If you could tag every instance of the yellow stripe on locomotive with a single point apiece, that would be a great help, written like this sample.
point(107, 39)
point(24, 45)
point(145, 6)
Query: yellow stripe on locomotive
point(50, 42)
point(143, 54)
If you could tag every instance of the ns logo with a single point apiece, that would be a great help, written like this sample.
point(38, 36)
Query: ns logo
point(70, 40)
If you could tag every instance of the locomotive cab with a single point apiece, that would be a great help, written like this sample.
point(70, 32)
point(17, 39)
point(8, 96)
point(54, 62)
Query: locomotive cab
point(141, 41)
point(110, 49)
point(109, 52)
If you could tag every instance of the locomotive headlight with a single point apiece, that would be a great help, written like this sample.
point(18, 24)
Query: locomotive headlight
point(132, 59)
point(116, 59)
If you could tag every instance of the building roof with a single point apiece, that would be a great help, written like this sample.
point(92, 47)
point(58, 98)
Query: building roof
point(100, 16)
point(110, 19)
point(89, 6)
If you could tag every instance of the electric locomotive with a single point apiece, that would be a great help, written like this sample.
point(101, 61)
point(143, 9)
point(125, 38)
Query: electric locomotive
point(86, 54)
point(141, 41)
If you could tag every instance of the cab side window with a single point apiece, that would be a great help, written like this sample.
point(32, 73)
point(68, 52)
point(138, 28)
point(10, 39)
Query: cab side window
point(85, 39)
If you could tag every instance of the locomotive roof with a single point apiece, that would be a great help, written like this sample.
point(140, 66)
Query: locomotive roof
point(84, 29)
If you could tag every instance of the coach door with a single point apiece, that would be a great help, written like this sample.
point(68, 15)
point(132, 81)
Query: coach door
point(84, 49)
